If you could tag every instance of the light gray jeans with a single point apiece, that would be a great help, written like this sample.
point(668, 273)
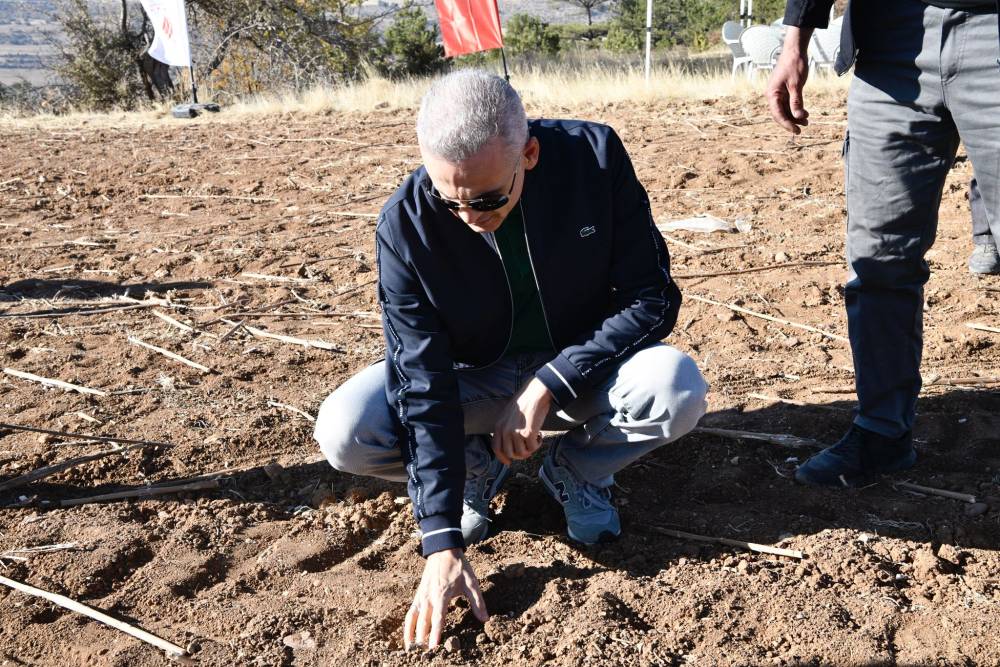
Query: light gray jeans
point(926, 78)
point(654, 397)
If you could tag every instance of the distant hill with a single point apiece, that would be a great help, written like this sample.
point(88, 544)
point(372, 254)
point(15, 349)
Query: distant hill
point(26, 35)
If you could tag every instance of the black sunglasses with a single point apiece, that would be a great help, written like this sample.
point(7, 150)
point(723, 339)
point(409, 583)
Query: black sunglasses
point(483, 203)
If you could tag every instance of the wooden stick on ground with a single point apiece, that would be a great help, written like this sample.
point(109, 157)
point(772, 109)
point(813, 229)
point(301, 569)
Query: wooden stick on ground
point(176, 323)
point(769, 318)
point(774, 438)
point(753, 269)
point(279, 279)
point(983, 327)
point(54, 383)
point(169, 354)
point(70, 311)
point(789, 401)
point(954, 495)
point(146, 492)
point(752, 546)
point(49, 470)
point(173, 650)
point(260, 333)
point(83, 436)
point(958, 382)
point(291, 408)
point(349, 214)
point(22, 553)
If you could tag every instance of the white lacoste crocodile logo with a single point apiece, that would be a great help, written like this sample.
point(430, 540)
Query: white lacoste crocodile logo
point(587, 231)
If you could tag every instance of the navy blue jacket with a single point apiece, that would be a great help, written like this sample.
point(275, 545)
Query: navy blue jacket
point(856, 27)
point(603, 275)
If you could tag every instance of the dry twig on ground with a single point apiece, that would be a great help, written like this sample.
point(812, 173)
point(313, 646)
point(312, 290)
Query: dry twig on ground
point(752, 546)
point(68, 386)
point(49, 470)
point(930, 490)
point(169, 354)
point(781, 439)
point(172, 650)
point(260, 333)
point(146, 492)
point(769, 318)
point(83, 436)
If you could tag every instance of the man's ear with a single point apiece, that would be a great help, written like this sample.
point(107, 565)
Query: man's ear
point(530, 153)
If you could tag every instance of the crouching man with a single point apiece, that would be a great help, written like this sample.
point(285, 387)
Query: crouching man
point(523, 287)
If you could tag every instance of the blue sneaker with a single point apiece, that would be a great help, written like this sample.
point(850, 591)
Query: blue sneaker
point(590, 516)
point(857, 459)
point(479, 491)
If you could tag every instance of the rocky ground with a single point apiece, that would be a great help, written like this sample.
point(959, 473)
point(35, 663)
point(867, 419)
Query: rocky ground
point(269, 221)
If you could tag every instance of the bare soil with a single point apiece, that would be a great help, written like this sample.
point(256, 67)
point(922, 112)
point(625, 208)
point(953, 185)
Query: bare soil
point(291, 563)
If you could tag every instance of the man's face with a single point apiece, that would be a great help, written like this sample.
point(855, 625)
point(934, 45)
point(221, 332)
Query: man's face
point(490, 173)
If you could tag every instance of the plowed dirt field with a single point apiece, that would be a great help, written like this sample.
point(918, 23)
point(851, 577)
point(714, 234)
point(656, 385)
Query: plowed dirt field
point(269, 221)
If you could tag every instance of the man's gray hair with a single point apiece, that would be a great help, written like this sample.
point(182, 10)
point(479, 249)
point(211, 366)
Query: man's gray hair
point(466, 109)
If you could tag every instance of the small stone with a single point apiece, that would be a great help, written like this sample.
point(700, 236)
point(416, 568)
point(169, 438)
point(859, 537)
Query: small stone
point(482, 639)
point(780, 257)
point(452, 644)
point(273, 471)
point(299, 641)
point(976, 509)
point(193, 647)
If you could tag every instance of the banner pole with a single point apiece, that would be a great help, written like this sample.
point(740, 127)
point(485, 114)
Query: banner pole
point(194, 85)
point(649, 37)
point(506, 72)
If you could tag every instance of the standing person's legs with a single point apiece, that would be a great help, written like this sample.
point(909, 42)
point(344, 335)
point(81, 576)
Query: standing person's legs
point(901, 142)
point(973, 94)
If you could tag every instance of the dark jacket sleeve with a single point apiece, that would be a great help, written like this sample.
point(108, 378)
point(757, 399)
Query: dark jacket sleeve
point(808, 13)
point(422, 389)
point(646, 299)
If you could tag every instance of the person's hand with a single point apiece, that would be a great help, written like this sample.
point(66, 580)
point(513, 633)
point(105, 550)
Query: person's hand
point(517, 432)
point(447, 575)
point(784, 88)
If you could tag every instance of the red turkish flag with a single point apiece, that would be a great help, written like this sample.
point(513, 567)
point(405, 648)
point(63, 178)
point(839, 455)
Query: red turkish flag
point(468, 26)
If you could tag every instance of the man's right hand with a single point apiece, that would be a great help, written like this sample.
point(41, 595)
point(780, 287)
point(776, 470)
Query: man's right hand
point(447, 575)
point(784, 88)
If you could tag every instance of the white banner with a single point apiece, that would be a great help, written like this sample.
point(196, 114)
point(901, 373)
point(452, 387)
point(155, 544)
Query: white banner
point(170, 42)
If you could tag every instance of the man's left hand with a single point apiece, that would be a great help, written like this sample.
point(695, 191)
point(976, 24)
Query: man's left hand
point(517, 433)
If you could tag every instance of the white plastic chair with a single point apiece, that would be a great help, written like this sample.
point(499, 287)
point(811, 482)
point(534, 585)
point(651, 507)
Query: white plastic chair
point(762, 44)
point(731, 36)
point(824, 46)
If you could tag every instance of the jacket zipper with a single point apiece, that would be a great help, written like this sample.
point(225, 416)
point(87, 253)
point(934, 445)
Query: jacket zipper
point(531, 262)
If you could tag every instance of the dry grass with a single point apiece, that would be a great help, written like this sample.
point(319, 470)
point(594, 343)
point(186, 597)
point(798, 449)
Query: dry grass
point(543, 91)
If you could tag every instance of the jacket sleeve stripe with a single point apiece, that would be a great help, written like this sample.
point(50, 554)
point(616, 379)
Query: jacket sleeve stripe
point(561, 378)
point(439, 531)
